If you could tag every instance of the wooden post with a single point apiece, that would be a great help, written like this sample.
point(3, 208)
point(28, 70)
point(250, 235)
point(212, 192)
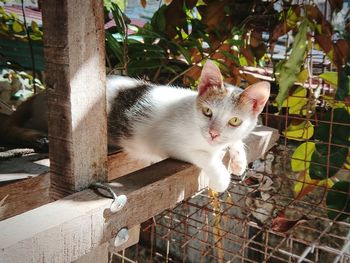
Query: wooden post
point(75, 81)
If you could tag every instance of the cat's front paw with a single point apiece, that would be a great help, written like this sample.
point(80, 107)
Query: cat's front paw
point(238, 161)
point(237, 167)
point(221, 183)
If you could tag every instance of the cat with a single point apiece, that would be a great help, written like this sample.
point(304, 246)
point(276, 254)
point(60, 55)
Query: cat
point(153, 122)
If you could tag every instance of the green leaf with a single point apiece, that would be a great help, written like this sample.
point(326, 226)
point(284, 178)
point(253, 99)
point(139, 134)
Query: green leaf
point(229, 55)
point(113, 45)
point(138, 46)
point(139, 67)
point(340, 132)
point(243, 61)
point(120, 19)
point(109, 4)
point(4, 27)
point(14, 16)
point(338, 198)
point(185, 53)
point(296, 99)
point(303, 75)
point(302, 156)
point(320, 169)
point(299, 132)
point(158, 20)
point(344, 86)
point(145, 64)
point(330, 78)
point(287, 71)
point(292, 18)
point(6, 17)
point(17, 27)
point(35, 27)
point(35, 38)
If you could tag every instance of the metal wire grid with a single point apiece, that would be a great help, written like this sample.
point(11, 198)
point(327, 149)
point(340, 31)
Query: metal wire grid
point(195, 231)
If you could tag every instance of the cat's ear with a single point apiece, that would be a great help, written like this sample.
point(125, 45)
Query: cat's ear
point(255, 96)
point(210, 77)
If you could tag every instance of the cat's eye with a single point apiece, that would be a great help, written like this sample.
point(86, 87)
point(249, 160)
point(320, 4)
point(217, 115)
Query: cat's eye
point(235, 121)
point(207, 112)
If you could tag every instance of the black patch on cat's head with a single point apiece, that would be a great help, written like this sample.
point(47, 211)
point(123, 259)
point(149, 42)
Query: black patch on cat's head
point(128, 106)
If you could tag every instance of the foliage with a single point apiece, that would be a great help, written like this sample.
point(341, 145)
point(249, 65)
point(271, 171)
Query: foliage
point(338, 200)
point(180, 36)
point(319, 159)
point(12, 27)
point(287, 71)
point(16, 86)
point(108, 4)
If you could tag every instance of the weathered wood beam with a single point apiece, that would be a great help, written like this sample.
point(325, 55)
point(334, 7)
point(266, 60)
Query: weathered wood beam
point(31, 188)
point(75, 80)
point(66, 229)
point(19, 197)
point(121, 163)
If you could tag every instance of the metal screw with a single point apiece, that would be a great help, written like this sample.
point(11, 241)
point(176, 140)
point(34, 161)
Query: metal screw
point(122, 237)
point(118, 203)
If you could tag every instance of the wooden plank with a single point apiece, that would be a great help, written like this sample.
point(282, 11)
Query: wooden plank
point(24, 184)
point(121, 163)
point(64, 230)
point(24, 195)
point(28, 166)
point(75, 80)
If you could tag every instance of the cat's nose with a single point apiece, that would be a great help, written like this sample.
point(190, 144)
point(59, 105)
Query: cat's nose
point(213, 134)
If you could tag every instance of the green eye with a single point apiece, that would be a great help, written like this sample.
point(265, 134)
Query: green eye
point(235, 121)
point(207, 112)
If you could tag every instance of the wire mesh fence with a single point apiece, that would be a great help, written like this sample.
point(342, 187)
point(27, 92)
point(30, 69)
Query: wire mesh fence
point(245, 224)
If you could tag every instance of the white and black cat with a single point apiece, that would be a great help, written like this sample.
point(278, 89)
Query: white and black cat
point(153, 122)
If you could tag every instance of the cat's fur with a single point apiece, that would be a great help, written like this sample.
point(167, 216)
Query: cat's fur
point(153, 122)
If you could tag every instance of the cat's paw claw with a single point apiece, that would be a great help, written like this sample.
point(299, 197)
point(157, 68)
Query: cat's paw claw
point(220, 185)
